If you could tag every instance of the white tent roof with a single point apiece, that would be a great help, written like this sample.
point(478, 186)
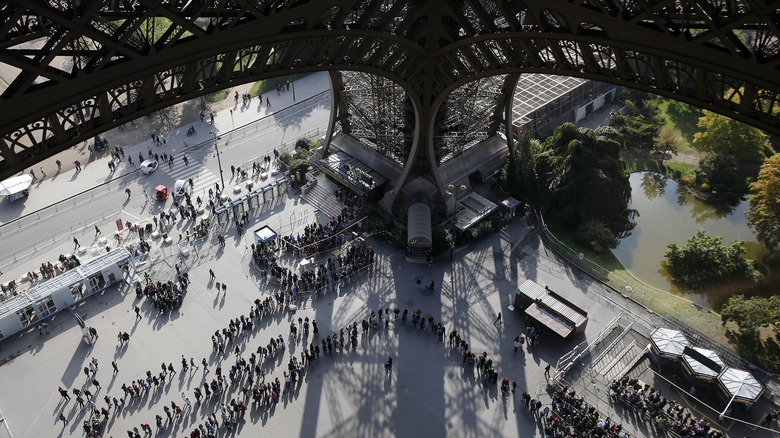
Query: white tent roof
point(698, 367)
point(15, 185)
point(668, 341)
point(741, 383)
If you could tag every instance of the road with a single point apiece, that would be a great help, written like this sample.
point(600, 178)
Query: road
point(103, 199)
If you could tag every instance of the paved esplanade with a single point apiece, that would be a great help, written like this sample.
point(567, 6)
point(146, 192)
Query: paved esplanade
point(429, 392)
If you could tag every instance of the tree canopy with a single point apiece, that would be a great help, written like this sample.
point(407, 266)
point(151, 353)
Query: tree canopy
point(764, 213)
point(726, 136)
point(582, 180)
point(519, 178)
point(704, 260)
point(750, 314)
point(640, 123)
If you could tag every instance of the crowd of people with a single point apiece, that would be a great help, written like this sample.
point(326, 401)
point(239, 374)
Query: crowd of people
point(572, 416)
point(356, 257)
point(317, 237)
point(246, 383)
point(165, 296)
point(664, 413)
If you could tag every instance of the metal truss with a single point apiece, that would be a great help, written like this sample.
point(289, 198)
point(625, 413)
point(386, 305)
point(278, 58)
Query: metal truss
point(379, 114)
point(77, 68)
point(466, 117)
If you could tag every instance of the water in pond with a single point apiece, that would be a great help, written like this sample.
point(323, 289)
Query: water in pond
point(668, 213)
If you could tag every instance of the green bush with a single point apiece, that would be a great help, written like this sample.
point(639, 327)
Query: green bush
point(374, 221)
point(493, 222)
point(704, 260)
point(597, 237)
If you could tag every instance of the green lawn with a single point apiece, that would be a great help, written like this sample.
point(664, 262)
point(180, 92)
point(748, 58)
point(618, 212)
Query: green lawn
point(681, 118)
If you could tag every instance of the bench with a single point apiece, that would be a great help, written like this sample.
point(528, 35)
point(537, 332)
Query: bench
point(103, 240)
point(237, 189)
point(168, 240)
point(155, 234)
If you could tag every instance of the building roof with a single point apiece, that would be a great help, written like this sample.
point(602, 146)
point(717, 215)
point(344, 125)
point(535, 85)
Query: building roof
point(701, 368)
point(741, 384)
point(669, 342)
point(535, 90)
point(67, 278)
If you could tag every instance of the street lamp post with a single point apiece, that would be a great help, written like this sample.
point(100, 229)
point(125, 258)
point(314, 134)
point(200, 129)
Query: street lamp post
point(293, 85)
point(455, 216)
point(219, 161)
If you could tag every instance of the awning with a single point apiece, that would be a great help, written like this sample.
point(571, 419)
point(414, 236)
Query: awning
point(264, 234)
point(15, 185)
point(669, 342)
point(740, 384)
point(543, 317)
point(419, 226)
point(702, 362)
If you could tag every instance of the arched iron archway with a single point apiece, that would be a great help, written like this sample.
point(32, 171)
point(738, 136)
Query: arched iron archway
point(80, 70)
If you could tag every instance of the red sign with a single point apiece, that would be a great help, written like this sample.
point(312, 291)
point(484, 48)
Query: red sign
point(119, 225)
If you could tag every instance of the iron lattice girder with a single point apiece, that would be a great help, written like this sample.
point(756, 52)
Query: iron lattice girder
point(717, 54)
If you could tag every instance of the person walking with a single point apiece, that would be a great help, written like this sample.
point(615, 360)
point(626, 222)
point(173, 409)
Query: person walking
point(128, 193)
point(498, 319)
point(115, 366)
point(97, 231)
point(59, 165)
point(547, 372)
point(78, 165)
point(32, 173)
point(76, 242)
point(138, 313)
point(64, 394)
point(205, 366)
point(96, 384)
point(212, 276)
point(64, 420)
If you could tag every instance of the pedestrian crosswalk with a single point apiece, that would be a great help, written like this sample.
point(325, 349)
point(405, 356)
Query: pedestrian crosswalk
point(202, 178)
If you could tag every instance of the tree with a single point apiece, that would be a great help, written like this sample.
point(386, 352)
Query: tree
point(582, 180)
point(519, 177)
point(727, 136)
point(640, 123)
point(764, 213)
point(704, 260)
point(668, 140)
point(750, 314)
point(720, 171)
